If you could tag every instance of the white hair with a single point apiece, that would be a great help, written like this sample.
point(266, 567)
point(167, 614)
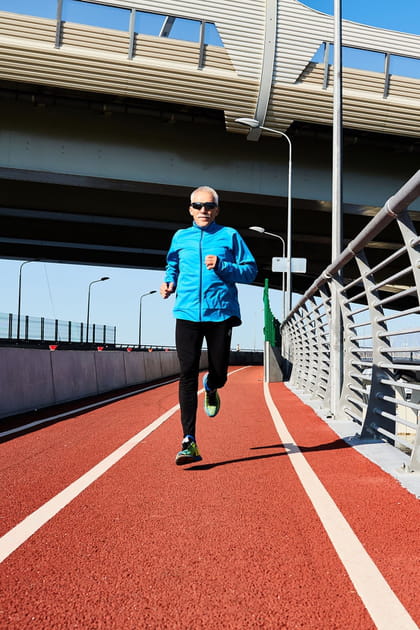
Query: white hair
point(206, 189)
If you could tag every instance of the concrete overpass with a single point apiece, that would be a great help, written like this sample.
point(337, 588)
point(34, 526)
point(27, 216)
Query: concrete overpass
point(96, 172)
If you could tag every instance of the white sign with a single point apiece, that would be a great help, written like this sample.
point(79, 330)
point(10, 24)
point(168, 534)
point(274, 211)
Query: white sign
point(280, 264)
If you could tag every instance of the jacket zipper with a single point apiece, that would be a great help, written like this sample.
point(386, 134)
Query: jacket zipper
point(201, 274)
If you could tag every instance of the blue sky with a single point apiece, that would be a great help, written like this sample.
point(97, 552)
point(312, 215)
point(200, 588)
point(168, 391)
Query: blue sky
point(403, 15)
point(59, 291)
point(398, 16)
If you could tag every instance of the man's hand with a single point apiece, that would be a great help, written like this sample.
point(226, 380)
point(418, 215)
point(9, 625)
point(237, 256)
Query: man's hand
point(210, 261)
point(166, 289)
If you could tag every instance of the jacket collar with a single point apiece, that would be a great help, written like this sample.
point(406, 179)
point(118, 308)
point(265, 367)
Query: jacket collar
point(213, 227)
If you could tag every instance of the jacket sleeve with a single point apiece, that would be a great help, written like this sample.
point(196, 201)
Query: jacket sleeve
point(172, 262)
point(243, 269)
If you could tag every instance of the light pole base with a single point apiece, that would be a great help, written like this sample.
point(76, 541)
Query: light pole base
point(273, 372)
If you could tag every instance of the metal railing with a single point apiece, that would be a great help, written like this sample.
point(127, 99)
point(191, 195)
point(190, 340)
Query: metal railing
point(53, 330)
point(165, 30)
point(380, 312)
point(199, 31)
point(388, 59)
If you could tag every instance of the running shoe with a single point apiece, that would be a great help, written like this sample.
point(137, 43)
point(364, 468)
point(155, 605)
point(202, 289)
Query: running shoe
point(189, 452)
point(211, 399)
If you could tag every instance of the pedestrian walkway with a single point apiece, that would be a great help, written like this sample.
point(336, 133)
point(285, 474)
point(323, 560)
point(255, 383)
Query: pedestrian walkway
point(282, 526)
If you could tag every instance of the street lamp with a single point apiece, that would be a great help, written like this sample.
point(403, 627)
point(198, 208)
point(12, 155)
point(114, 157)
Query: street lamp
point(262, 230)
point(20, 294)
point(336, 336)
point(254, 124)
point(141, 297)
point(88, 304)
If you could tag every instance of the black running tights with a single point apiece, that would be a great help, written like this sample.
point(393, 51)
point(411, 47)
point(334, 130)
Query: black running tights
point(189, 340)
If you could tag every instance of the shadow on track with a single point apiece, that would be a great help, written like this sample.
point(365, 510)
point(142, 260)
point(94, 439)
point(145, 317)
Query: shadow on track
point(288, 449)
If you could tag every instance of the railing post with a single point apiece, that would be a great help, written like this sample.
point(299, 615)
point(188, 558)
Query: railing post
point(380, 352)
point(326, 65)
point(59, 21)
point(325, 367)
point(352, 402)
point(415, 455)
point(387, 76)
point(131, 34)
point(201, 54)
point(304, 348)
point(289, 348)
point(410, 239)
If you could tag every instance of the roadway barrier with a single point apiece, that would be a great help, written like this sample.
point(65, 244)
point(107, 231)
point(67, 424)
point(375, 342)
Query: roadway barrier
point(246, 357)
point(34, 378)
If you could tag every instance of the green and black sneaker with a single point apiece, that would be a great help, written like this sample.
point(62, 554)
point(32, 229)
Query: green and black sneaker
point(211, 399)
point(189, 453)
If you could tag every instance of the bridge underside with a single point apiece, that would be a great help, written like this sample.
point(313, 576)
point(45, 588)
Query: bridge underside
point(57, 213)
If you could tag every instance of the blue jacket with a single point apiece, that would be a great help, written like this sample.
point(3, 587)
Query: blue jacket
point(208, 294)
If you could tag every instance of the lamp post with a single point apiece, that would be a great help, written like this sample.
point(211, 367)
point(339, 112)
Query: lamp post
point(262, 230)
point(141, 298)
point(20, 294)
point(88, 304)
point(253, 124)
point(336, 339)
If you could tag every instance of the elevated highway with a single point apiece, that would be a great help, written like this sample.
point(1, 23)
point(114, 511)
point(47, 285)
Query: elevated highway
point(105, 131)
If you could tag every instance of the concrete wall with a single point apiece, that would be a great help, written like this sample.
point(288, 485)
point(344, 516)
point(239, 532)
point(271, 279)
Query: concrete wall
point(246, 357)
point(32, 378)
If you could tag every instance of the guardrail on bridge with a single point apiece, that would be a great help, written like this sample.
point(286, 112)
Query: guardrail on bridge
point(379, 304)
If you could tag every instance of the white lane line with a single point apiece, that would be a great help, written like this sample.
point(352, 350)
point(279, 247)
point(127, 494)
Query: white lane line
point(26, 528)
point(73, 412)
point(385, 609)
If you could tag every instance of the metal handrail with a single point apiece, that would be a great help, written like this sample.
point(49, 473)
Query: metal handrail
point(380, 349)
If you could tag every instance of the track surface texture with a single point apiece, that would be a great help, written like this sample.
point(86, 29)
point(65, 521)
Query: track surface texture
point(232, 542)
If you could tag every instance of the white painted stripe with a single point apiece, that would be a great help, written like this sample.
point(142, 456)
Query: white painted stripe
point(382, 604)
point(26, 528)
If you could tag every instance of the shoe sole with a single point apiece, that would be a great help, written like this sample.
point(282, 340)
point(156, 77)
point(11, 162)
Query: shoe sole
point(185, 459)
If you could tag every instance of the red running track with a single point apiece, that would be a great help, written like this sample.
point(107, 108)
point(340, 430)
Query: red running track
point(231, 542)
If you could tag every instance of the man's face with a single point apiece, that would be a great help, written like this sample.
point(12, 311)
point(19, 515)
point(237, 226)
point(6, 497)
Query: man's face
point(203, 216)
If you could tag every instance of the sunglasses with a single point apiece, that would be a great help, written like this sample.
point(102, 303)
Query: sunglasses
point(208, 205)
